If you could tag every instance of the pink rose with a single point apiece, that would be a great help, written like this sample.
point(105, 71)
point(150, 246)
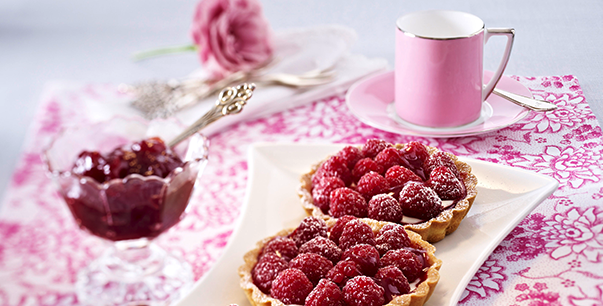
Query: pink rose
point(231, 35)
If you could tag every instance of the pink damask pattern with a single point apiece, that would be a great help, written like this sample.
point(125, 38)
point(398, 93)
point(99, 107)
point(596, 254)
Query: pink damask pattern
point(553, 257)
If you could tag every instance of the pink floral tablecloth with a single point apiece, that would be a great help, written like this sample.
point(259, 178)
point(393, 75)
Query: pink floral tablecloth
point(553, 257)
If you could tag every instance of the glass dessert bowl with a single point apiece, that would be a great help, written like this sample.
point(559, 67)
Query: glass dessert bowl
point(123, 184)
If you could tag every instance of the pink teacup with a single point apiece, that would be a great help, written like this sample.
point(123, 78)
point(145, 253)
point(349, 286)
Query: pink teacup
point(439, 67)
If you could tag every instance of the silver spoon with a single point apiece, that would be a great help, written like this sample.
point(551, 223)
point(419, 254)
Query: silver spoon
point(230, 101)
point(533, 104)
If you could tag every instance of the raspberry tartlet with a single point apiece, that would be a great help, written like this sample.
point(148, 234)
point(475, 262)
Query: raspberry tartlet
point(344, 262)
point(426, 190)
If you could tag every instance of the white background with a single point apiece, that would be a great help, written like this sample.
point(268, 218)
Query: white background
point(91, 41)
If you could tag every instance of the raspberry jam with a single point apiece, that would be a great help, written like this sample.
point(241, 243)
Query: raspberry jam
point(134, 191)
point(147, 157)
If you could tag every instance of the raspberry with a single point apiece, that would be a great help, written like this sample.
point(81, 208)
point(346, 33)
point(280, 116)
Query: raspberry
point(371, 184)
point(309, 228)
point(350, 156)
point(326, 293)
point(389, 157)
point(313, 265)
point(366, 256)
point(393, 281)
point(416, 154)
point(365, 166)
point(397, 176)
point(391, 237)
point(266, 270)
point(415, 150)
point(445, 184)
point(334, 166)
point(337, 229)
point(324, 247)
point(291, 286)
point(363, 291)
point(119, 163)
point(343, 271)
point(356, 232)
point(420, 201)
point(282, 246)
point(408, 262)
point(384, 207)
point(440, 159)
point(372, 147)
point(154, 157)
point(321, 193)
point(91, 164)
point(346, 201)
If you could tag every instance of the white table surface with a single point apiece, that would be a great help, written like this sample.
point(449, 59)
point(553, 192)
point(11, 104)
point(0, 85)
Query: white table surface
point(42, 41)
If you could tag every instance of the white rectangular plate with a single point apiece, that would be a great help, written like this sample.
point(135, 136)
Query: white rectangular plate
point(505, 196)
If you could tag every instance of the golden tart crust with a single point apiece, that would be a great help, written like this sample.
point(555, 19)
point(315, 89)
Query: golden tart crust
point(432, 230)
point(416, 297)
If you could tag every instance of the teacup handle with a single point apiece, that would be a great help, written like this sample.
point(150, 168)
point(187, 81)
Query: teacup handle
point(510, 34)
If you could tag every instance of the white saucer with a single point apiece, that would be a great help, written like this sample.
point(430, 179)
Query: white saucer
point(371, 101)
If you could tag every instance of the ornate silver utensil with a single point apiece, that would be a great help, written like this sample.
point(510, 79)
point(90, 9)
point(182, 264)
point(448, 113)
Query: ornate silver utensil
point(163, 99)
point(230, 101)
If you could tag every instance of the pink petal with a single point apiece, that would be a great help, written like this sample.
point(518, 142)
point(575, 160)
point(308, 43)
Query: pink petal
point(490, 284)
point(561, 252)
point(592, 255)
